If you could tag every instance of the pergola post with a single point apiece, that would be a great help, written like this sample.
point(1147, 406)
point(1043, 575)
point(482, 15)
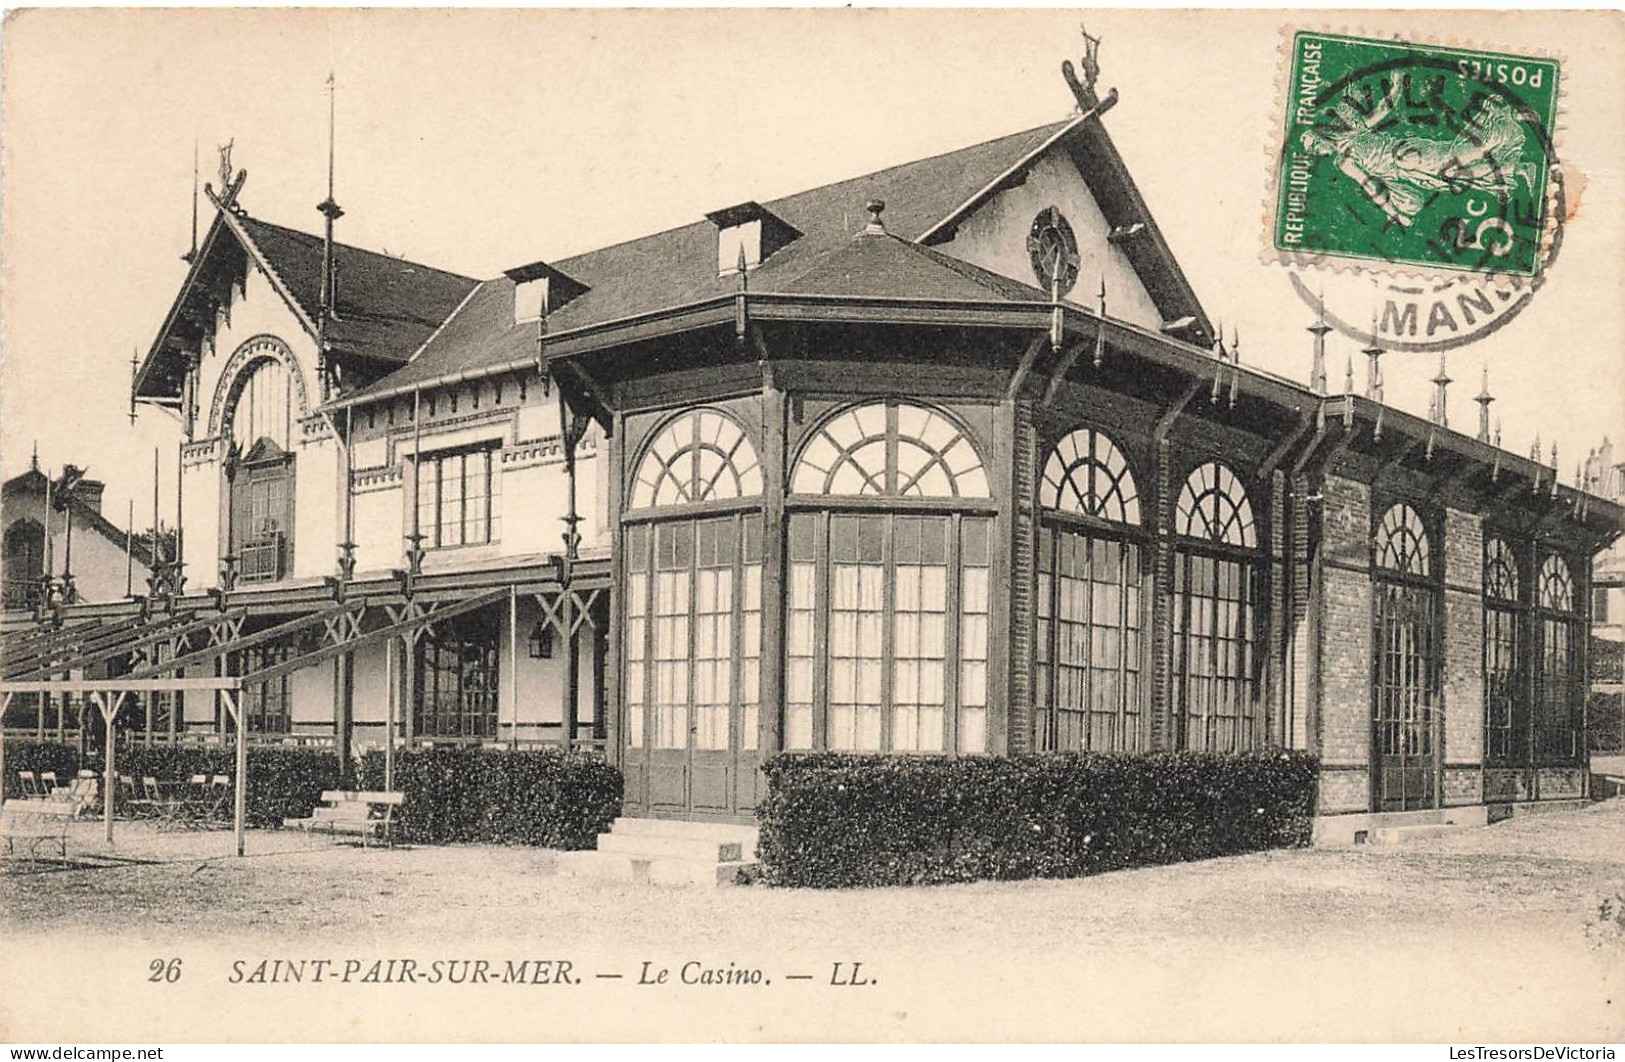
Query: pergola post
point(239, 796)
point(109, 770)
point(389, 715)
point(5, 706)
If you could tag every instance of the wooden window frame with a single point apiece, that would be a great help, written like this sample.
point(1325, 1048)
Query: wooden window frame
point(433, 464)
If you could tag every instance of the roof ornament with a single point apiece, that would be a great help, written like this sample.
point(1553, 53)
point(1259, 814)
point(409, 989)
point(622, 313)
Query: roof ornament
point(1235, 363)
point(1441, 399)
point(1100, 326)
point(331, 212)
point(1484, 399)
point(1084, 91)
point(875, 227)
point(1317, 367)
point(225, 162)
point(1554, 468)
point(1220, 356)
point(191, 255)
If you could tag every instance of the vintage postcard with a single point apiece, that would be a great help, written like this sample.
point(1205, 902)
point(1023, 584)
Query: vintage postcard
point(812, 525)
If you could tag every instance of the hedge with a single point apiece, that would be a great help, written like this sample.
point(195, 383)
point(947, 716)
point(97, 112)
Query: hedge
point(546, 798)
point(283, 781)
point(838, 820)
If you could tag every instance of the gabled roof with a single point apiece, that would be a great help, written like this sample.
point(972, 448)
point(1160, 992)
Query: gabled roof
point(677, 267)
point(386, 306)
point(33, 482)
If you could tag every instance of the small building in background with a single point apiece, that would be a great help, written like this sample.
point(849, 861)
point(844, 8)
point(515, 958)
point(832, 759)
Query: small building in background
point(100, 559)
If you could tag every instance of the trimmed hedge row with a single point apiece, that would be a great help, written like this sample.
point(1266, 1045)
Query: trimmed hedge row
point(838, 820)
point(283, 781)
point(545, 798)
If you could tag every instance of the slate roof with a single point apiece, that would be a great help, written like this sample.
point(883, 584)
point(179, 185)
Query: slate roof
point(386, 306)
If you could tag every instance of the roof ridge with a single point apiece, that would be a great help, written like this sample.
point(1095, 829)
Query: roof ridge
point(770, 203)
point(359, 250)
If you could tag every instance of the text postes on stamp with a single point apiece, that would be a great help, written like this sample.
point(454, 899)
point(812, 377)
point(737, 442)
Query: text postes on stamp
point(1418, 156)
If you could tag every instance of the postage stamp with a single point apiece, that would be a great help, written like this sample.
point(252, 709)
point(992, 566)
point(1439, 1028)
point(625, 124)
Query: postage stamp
point(1419, 156)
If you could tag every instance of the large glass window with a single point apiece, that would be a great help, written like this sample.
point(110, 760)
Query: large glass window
point(874, 657)
point(1214, 614)
point(1405, 692)
point(266, 705)
point(693, 631)
point(457, 493)
point(694, 590)
point(456, 678)
point(1087, 689)
point(1558, 704)
point(1503, 651)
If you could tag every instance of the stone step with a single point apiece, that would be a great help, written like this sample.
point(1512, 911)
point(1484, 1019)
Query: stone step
point(1396, 835)
point(658, 870)
point(719, 832)
point(699, 849)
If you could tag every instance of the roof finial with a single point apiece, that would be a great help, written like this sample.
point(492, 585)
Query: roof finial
point(33, 460)
point(1373, 363)
point(1440, 398)
point(191, 254)
point(1317, 367)
point(1484, 399)
point(331, 212)
point(1084, 91)
point(876, 226)
point(1100, 326)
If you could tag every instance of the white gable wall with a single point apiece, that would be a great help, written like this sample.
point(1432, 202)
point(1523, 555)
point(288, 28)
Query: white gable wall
point(995, 238)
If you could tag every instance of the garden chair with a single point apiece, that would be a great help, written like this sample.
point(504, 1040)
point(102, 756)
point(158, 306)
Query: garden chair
point(31, 786)
point(48, 785)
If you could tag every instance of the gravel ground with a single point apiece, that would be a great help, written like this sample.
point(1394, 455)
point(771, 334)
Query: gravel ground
point(1481, 935)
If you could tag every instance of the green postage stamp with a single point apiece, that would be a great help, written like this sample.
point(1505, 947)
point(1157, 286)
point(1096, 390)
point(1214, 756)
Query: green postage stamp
point(1415, 155)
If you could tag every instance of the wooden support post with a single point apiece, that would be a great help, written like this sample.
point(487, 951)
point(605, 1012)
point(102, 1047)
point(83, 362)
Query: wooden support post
point(572, 677)
point(389, 715)
point(513, 663)
point(239, 796)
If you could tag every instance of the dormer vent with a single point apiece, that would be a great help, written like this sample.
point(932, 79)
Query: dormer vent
point(752, 228)
point(539, 290)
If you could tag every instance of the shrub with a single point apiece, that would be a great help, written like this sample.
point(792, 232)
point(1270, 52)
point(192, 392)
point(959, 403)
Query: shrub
point(834, 820)
point(546, 798)
point(283, 781)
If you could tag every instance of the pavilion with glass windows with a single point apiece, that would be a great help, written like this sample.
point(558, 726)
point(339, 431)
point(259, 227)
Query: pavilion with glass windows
point(873, 469)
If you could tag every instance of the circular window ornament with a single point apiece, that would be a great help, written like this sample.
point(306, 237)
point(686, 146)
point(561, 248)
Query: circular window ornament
point(1054, 251)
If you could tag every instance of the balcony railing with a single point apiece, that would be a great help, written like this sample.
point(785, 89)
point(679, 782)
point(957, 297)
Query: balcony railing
point(261, 561)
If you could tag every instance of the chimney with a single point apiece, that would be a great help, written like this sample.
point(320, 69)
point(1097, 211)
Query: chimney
point(89, 493)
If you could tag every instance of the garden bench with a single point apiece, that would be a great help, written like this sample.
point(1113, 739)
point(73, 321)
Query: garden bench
point(366, 814)
point(36, 821)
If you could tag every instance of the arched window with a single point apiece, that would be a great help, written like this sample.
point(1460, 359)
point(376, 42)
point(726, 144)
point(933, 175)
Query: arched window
point(1402, 543)
point(1405, 696)
point(692, 620)
point(1216, 700)
point(890, 449)
point(1087, 689)
point(258, 425)
point(1087, 474)
point(1505, 711)
point(24, 562)
point(700, 456)
point(888, 607)
point(1213, 507)
point(1559, 697)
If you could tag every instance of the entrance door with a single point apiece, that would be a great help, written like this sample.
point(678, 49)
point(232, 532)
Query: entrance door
point(1405, 698)
point(693, 636)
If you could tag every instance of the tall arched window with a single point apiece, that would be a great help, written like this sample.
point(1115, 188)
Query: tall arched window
point(258, 423)
point(24, 562)
point(1405, 690)
point(1558, 701)
point(1504, 702)
point(889, 543)
point(1087, 690)
point(1215, 567)
point(693, 610)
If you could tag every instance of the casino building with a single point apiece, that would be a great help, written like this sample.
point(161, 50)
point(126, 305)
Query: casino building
point(944, 459)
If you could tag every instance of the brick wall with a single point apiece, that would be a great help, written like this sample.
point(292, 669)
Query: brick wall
point(1463, 785)
point(1344, 605)
point(1023, 578)
point(1463, 641)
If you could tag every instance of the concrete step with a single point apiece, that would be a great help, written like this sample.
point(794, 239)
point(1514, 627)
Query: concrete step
point(699, 849)
point(716, 832)
point(1390, 836)
point(657, 870)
